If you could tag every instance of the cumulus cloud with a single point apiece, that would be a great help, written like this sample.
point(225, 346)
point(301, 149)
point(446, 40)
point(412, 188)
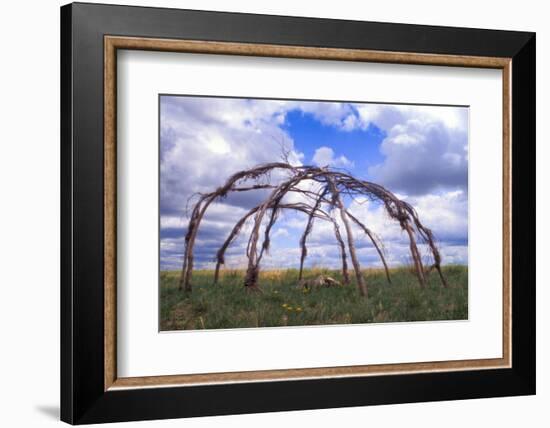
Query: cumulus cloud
point(425, 149)
point(339, 115)
point(205, 140)
point(324, 156)
point(422, 156)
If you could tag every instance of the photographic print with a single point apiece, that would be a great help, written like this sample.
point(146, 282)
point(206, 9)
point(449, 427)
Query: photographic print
point(277, 213)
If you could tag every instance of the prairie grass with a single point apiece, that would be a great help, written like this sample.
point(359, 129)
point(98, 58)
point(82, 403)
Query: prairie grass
point(283, 303)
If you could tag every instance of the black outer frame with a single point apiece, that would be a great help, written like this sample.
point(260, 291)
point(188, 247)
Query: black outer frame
point(83, 399)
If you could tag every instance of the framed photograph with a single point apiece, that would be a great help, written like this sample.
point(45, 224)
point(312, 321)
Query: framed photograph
point(266, 213)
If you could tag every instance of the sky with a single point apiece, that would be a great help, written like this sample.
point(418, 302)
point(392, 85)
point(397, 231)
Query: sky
point(420, 153)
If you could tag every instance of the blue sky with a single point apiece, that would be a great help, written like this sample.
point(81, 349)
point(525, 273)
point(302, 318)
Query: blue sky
point(360, 146)
point(418, 152)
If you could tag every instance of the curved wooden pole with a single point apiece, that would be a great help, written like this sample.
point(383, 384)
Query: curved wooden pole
point(361, 284)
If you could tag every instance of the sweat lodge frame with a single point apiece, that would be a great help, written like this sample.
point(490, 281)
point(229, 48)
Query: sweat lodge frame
point(91, 391)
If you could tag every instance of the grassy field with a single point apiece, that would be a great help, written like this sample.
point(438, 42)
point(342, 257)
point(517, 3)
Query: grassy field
point(282, 303)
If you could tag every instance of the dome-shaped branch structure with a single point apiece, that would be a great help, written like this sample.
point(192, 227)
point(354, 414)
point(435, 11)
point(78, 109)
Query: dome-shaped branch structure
point(316, 187)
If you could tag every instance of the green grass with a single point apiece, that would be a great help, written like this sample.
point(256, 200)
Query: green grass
point(282, 303)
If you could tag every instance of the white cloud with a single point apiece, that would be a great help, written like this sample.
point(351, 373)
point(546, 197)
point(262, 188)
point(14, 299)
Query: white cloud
point(281, 232)
point(446, 214)
point(425, 149)
point(204, 141)
point(218, 145)
point(339, 115)
point(324, 156)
